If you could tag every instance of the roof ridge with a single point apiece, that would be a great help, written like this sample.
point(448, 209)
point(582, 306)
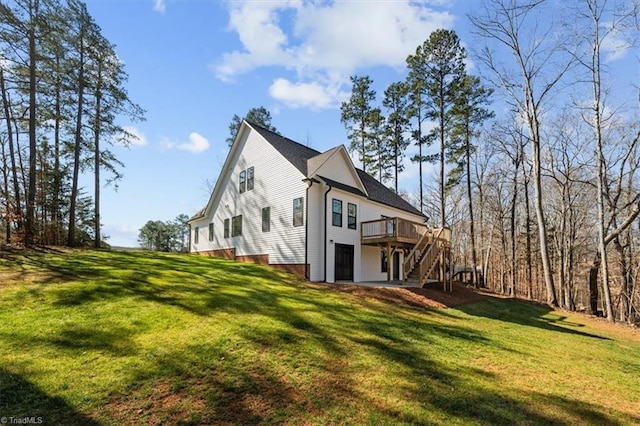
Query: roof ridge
point(281, 136)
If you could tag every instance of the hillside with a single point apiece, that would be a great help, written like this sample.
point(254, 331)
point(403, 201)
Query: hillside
point(135, 337)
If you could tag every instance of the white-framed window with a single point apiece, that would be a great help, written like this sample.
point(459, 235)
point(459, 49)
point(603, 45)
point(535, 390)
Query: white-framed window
point(298, 212)
point(336, 218)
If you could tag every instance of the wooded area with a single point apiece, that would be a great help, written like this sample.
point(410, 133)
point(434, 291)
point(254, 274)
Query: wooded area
point(544, 195)
point(536, 156)
point(63, 93)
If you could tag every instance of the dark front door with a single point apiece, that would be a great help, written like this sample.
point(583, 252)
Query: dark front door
point(344, 262)
point(396, 265)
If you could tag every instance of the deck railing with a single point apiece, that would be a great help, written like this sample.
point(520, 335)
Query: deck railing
point(429, 259)
point(392, 228)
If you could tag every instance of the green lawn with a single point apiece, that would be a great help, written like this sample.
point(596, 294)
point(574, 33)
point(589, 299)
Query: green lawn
point(144, 338)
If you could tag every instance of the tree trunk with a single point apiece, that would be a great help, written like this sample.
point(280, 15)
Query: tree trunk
point(71, 238)
point(441, 117)
point(474, 257)
point(30, 227)
point(57, 174)
point(14, 169)
point(7, 198)
point(542, 224)
point(96, 141)
point(600, 161)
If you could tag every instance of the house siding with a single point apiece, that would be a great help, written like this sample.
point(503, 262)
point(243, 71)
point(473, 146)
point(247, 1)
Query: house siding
point(315, 233)
point(307, 250)
point(366, 258)
point(276, 184)
point(339, 168)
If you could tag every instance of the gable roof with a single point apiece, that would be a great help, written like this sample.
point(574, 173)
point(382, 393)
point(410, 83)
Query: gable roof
point(298, 154)
point(342, 186)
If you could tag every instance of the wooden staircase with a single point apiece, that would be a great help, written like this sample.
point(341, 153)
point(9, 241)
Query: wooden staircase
point(425, 257)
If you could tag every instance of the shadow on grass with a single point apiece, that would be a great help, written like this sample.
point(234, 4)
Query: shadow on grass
point(525, 313)
point(20, 398)
point(320, 381)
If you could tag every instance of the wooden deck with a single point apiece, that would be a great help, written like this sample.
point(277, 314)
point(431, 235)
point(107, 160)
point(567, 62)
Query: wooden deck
point(392, 230)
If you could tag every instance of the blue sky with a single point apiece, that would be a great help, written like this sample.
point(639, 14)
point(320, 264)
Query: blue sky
point(192, 65)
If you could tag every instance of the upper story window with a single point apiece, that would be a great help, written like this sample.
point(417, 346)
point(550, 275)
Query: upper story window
point(266, 219)
point(246, 180)
point(236, 226)
point(298, 214)
point(250, 178)
point(337, 213)
point(226, 228)
point(352, 216)
point(211, 232)
point(243, 181)
point(196, 233)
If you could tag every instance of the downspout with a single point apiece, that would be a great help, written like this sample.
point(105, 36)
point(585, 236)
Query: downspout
point(325, 232)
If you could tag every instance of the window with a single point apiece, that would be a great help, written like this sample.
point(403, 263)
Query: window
point(226, 228)
point(384, 264)
point(236, 226)
point(352, 216)
point(266, 219)
point(249, 178)
point(337, 213)
point(211, 232)
point(196, 231)
point(298, 214)
point(243, 181)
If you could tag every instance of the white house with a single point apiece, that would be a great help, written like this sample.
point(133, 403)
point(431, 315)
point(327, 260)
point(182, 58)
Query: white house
point(284, 204)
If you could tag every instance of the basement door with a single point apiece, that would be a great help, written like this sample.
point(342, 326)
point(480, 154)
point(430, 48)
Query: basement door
point(396, 265)
point(344, 262)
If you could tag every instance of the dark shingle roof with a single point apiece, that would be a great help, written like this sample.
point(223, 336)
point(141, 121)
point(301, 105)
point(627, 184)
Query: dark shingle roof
point(298, 154)
point(380, 193)
point(343, 187)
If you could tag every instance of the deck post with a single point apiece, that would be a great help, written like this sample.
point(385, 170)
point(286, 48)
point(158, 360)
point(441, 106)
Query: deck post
point(389, 262)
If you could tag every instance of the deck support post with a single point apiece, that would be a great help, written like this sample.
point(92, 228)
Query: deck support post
point(389, 262)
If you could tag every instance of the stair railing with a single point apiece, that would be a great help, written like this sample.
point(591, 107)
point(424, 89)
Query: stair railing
point(415, 254)
point(430, 258)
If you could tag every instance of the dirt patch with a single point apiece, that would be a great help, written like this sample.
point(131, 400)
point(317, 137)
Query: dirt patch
point(161, 404)
point(431, 296)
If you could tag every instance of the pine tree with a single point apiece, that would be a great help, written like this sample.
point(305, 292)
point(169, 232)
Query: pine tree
point(469, 114)
point(260, 116)
point(356, 115)
point(396, 103)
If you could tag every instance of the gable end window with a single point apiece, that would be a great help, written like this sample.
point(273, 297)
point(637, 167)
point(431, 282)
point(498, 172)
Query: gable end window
point(298, 214)
point(211, 232)
point(226, 228)
point(236, 226)
point(196, 233)
point(243, 181)
point(266, 219)
point(249, 178)
point(352, 216)
point(337, 213)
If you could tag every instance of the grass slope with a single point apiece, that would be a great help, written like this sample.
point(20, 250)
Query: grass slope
point(135, 337)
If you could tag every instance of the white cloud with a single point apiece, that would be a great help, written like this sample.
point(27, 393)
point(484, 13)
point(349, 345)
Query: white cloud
point(324, 42)
point(132, 137)
point(159, 6)
point(197, 144)
point(311, 95)
point(615, 45)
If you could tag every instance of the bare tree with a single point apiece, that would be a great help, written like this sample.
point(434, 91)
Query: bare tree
point(605, 21)
point(514, 29)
